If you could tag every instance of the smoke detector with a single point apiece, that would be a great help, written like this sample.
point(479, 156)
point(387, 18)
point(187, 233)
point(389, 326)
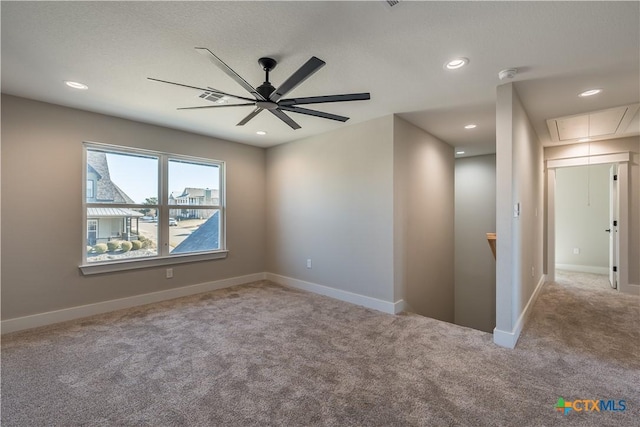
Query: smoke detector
point(509, 73)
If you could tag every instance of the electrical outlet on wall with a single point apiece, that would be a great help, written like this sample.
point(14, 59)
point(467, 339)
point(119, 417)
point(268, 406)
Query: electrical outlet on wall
point(169, 273)
point(533, 272)
point(576, 251)
point(309, 263)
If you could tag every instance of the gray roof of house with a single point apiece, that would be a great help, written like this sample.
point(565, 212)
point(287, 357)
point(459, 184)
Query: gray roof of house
point(175, 194)
point(205, 238)
point(106, 190)
point(111, 213)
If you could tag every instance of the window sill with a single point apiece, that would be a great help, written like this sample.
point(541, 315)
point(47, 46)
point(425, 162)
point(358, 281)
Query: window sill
point(114, 266)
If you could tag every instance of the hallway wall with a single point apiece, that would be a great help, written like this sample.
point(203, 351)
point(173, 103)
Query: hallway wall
point(475, 267)
point(519, 173)
point(423, 221)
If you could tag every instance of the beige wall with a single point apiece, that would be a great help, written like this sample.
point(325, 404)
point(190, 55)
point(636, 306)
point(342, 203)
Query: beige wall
point(528, 191)
point(423, 221)
point(329, 199)
point(475, 267)
point(519, 173)
point(372, 206)
point(41, 207)
point(582, 215)
point(631, 145)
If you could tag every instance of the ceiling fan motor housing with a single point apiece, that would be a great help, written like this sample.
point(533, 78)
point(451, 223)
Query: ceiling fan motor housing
point(265, 89)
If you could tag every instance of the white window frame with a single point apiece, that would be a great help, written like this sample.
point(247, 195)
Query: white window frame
point(164, 257)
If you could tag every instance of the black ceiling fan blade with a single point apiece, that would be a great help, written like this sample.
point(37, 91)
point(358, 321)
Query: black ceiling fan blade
point(202, 89)
point(288, 120)
point(302, 74)
point(218, 106)
point(326, 98)
point(249, 117)
point(229, 71)
point(313, 113)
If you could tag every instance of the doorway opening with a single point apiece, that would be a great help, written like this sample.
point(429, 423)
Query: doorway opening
point(586, 204)
point(617, 210)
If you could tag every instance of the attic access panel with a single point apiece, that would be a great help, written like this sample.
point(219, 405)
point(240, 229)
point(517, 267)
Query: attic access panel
point(603, 124)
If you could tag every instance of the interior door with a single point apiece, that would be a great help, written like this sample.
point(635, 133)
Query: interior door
point(613, 225)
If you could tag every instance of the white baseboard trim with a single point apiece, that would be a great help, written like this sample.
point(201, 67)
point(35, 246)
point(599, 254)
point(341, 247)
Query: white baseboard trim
point(57, 316)
point(365, 301)
point(400, 306)
point(583, 268)
point(504, 338)
point(510, 338)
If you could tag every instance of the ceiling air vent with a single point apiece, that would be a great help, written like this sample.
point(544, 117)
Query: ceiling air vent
point(392, 2)
point(596, 125)
point(211, 96)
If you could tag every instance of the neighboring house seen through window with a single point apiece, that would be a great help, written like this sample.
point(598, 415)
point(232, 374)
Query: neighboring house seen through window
point(133, 214)
point(91, 185)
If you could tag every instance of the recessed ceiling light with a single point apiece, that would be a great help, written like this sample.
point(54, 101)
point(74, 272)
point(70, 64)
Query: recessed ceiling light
point(261, 132)
point(471, 126)
point(76, 85)
point(459, 152)
point(590, 92)
point(456, 63)
point(584, 140)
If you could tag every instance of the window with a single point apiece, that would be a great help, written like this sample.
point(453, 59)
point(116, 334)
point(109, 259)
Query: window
point(92, 231)
point(90, 189)
point(132, 217)
point(194, 185)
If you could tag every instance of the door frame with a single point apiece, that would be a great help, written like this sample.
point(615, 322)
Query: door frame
point(622, 244)
point(613, 224)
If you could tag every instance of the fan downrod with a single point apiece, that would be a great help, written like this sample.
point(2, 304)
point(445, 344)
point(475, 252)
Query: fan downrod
point(266, 89)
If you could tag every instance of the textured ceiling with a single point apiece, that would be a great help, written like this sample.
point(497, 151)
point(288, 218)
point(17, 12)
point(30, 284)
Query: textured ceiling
point(397, 54)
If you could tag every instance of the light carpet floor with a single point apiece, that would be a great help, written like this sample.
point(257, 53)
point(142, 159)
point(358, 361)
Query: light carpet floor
point(262, 354)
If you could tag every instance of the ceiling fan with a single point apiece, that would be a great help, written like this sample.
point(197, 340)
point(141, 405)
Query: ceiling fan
point(267, 97)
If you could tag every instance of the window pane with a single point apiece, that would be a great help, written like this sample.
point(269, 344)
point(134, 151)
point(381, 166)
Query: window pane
point(119, 233)
point(121, 178)
point(193, 183)
point(195, 230)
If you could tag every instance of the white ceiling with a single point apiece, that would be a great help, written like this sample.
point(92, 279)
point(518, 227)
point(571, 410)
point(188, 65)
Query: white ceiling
point(397, 54)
